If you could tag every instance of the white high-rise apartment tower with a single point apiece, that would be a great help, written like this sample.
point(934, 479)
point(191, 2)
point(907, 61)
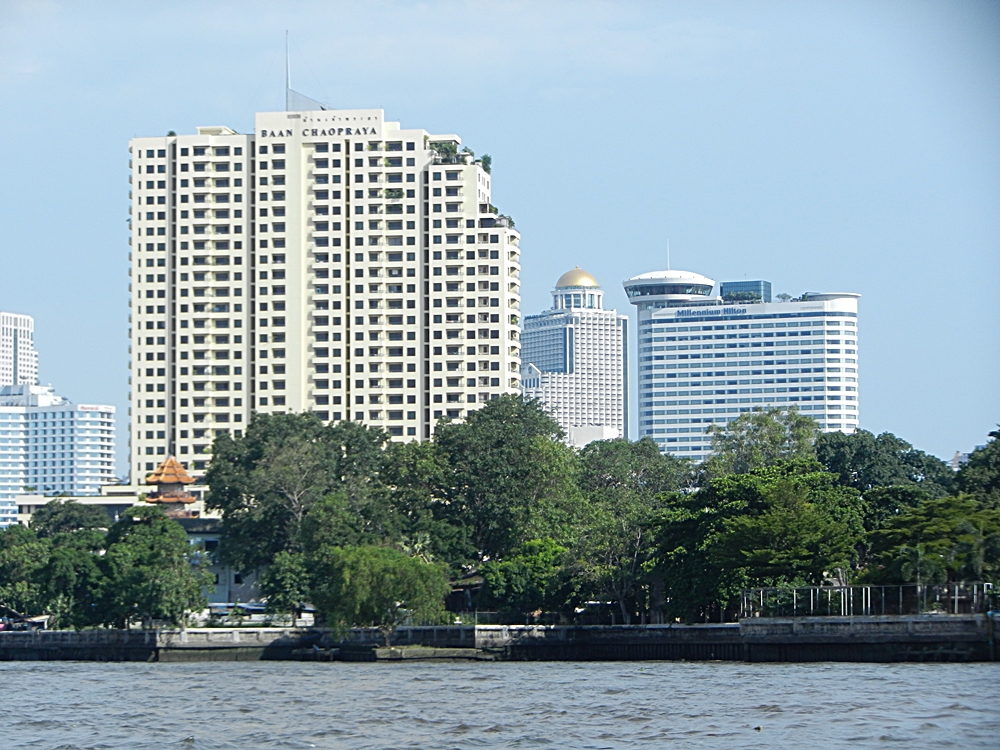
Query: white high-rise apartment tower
point(703, 360)
point(18, 358)
point(575, 360)
point(330, 262)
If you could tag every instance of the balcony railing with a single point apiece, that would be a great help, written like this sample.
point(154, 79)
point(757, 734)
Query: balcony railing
point(861, 601)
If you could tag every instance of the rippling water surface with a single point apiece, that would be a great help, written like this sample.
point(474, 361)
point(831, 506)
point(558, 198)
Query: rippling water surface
point(498, 705)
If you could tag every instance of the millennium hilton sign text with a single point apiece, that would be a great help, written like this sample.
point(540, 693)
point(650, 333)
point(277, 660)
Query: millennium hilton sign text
point(714, 311)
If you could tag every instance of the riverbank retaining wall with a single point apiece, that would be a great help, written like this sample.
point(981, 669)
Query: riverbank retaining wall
point(802, 639)
point(193, 644)
point(870, 639)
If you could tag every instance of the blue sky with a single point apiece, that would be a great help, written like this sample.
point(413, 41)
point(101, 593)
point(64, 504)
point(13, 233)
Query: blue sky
point(825, 146)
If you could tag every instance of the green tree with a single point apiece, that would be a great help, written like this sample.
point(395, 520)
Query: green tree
point(792, 540)
point(22, 558)
point(864, 461)
point(980, 475)
point(149, 571)
point(257, 526)
point(285, 583)
point(760, 438)
point(292, 475)
point(532, 579)
point(266, 482)
point(947, 538)
point(60, 516)
point(377, 586)
point(446, 149)
point(883, 503)
point(418, 474)
point(72, 580)
point(715, 542)
point(508, 473)
point(918, 565)
point(624, 484)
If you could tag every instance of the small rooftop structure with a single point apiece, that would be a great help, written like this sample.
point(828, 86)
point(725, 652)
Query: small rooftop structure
point(576, 277)
point(170, 478)
point(676, 287)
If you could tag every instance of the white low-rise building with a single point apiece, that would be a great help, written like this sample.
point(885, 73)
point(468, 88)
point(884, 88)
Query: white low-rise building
point(704, 361)
point(575, 361)
point(52, 445)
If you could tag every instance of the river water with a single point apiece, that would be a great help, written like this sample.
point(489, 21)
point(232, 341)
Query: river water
point(253, 705)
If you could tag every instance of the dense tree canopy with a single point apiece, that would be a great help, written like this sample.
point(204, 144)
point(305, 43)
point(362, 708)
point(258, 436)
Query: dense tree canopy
point(149, 572)
point(626, 484)
point(511, 478)
point(140, 570)
point(864, 461)
point(377, 586)
point(980, 475)
point(266, 482)
point(59, 516)
point(760, 438)
point(371, 531)
point(941, 539)
point(785, 523)
point(534, 578)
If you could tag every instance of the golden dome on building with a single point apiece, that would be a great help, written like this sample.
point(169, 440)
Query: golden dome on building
point(576, 277)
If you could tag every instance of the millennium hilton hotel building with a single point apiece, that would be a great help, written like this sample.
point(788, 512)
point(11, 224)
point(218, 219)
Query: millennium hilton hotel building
point(705, 361)
point(330, 262)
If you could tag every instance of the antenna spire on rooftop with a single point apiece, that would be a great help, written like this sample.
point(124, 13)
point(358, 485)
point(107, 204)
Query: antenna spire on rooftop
point(288, 76)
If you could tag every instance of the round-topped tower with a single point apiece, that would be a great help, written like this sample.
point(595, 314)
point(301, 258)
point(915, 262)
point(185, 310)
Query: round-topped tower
point(577, 289)
point(668, 288)
point(574, 359)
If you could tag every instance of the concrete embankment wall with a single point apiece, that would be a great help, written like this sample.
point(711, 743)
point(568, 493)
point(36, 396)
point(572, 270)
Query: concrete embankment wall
point(870, 639)
point(195, 644)
point(613, 642)
point(867, 639)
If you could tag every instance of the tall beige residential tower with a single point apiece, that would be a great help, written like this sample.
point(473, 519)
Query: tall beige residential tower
point(330, 262)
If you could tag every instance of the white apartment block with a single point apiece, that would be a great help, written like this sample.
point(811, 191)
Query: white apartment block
point(575, 361)
point(18, 358)
point(55, 446)
point(330, 262)
point(703, 361)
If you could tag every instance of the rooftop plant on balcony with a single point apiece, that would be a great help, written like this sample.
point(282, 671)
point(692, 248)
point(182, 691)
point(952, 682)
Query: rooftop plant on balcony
point(487, 163)
point(445, 149)
point(749, 297)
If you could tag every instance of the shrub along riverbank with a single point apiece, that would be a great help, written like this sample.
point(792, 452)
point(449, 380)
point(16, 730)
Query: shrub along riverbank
point(372, 532)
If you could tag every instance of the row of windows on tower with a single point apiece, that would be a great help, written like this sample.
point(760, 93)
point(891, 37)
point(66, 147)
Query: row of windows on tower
point(197, 151)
